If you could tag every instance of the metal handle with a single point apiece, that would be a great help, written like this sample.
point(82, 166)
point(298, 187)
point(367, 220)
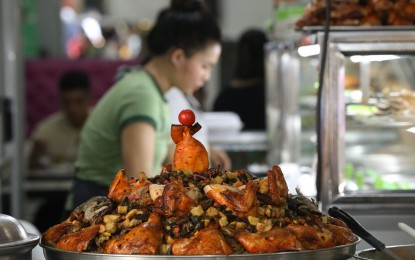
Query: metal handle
point(356, 227)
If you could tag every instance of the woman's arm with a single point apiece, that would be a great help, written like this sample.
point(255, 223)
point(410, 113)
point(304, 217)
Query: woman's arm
point(138, 144)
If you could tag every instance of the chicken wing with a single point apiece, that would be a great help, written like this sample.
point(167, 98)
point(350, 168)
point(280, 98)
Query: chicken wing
point(273, 189)
point(243, 202)
point(144, 239)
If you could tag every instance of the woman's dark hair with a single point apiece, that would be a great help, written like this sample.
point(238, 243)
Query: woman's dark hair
point(250, 54)
point(186, 24)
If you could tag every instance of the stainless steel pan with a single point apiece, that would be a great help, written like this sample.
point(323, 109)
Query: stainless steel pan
point(333, 253)
point(403, 251)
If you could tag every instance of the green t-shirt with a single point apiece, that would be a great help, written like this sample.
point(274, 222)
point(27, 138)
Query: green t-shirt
point(135, 97)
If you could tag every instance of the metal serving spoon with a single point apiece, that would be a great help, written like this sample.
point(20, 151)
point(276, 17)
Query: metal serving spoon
point(359, 230)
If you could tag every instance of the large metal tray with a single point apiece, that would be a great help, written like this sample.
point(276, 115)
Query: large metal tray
point(333, 253)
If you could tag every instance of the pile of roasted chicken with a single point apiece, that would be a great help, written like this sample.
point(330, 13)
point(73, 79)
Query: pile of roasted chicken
point(190, 209)
point(359, 13)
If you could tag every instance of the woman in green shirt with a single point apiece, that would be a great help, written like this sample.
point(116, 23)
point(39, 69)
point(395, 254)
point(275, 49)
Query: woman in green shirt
point(129, 127)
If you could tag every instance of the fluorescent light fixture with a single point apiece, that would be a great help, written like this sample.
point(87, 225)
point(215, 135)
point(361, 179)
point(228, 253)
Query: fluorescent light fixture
point(68, 14)
point(93, 31)
point(411, 130)
point(309, 50)
point(369, 58)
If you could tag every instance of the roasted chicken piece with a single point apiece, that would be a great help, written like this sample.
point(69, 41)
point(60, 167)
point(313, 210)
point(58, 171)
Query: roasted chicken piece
point(78, 241)
point(175, 201)
point(276, 240)
point(341, 235)
point(406, 9)
point(53, 234)
point(120, 187)
point(190, 155)
point(273, 189)
point(310, 238)
point(243, 202)
point(395, 18)
point(144, 239)
point(88, 213)
point(207, 241)
point(381, 5)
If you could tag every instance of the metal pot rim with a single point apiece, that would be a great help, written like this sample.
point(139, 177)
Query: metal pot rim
point(31, 238)
point(19, 247)
point(357, 254)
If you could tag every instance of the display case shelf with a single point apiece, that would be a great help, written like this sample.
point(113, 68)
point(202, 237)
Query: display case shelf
point(336, 28)
point(377, 167)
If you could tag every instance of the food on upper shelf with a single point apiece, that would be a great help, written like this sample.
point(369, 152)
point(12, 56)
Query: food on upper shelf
point(188, 211)
point(398, 102)
point(359, 13)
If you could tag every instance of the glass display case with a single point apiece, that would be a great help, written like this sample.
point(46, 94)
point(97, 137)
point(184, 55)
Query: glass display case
point(291, 96)
point(291, 101)
point(368, 109)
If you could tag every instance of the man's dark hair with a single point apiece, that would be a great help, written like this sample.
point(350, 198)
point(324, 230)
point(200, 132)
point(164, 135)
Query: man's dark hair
point(74, 80)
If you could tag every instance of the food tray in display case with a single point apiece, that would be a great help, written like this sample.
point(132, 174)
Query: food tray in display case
point(338, 28)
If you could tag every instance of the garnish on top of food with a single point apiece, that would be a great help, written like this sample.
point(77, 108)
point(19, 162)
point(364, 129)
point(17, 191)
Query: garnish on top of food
point(190, 154)
point(193, 210)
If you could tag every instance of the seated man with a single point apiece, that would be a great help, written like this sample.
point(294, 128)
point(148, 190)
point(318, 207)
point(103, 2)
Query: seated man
point(54, 141)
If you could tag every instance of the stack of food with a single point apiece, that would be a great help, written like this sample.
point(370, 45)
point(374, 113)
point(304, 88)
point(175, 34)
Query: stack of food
point(190, 209)
point(359, 13)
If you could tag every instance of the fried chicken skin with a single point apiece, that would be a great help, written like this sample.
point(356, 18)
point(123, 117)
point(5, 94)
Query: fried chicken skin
point(78, 241)
point(276, 240)
point(205, 242)
point(144, 239)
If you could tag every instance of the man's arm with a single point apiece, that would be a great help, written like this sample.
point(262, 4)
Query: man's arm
point(37, 153)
